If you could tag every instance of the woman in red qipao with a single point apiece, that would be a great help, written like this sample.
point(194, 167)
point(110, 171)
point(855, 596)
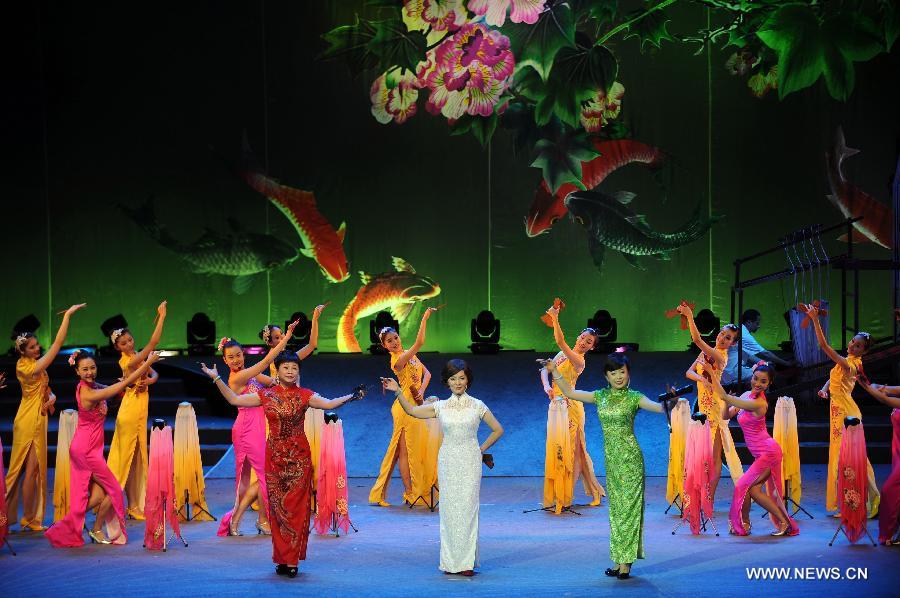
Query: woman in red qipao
point(288, 459)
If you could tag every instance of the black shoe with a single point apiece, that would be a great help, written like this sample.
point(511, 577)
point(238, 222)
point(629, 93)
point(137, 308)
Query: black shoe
point(612, 572)
point(281, 569)
point(624, 575)
point(292, 572)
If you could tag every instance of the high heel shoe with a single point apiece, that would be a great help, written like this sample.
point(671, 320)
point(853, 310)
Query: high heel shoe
point(263, 529)
point(233, 529)
point(33, 527)
point(783, 530)
point(612, 572)
point(135, 514)
point(97, 536)
point(286, 570)
point(383, 503)
point(624, 574)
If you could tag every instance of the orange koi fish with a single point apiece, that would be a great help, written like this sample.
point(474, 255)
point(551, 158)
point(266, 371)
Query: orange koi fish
point(549, 207)
point(321, 242)
point(395, 291)
point(877, 218)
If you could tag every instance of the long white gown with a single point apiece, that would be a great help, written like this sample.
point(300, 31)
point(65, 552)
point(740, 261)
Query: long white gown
point(459, 476)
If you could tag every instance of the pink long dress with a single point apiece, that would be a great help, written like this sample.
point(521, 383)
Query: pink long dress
point(698, 460)
point(248, 435)
point(86, 462)
point(159, 508)
point(767, 456)
point(331, 493)
point(889, 516)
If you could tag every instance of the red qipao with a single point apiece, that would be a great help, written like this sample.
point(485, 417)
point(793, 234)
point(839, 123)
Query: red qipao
point(288, 471)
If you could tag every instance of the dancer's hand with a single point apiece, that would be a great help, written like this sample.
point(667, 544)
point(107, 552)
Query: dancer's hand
point(812, 312)
point(547, 364)
point(318, 310)
point(685, 310)
point(390, 384)
point(161, 310)
point(211, 372)
point(428, 312)
point(549, 391)
point(74, 308)
point(288, 333)
point(431, 399)
point(553, 312)
point(154, 357)
point(358, 393)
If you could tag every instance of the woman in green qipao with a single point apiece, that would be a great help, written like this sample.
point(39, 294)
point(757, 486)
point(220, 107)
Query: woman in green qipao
point(616, 407)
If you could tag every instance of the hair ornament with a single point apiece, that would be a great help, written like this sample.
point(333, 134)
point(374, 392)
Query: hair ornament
point(73, 356)
point(621, 349)
point(760, 363)
point(266, 333)
point(21, 340)
point(222, 342)
point(115, 334)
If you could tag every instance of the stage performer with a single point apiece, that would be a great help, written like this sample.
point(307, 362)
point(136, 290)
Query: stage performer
point(315, 418)
point(841, 381)
point(459, 462)
point(616, 407)
point(765, 471)
point(889, 516)
point(91, 483)
point(566, 457)
point(707, 369)
point(27, 471)
point(248, 435)
point(288, 472)
point(128, 450)
point(409, 439)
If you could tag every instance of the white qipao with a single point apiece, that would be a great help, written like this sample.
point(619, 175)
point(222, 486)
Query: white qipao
point(459, 477)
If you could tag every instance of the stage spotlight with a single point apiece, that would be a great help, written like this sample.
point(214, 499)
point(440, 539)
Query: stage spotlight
point(201, 335)
point(29, 323)
point(607, 329)
point(382, 319)
point(108, 325)
point(485, 333)
point(708, 325)
point(301, 332)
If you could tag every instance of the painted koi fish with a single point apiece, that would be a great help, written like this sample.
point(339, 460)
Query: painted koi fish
point(549, 207)
point(321, 241)
point(397, 292)
point(877, 218)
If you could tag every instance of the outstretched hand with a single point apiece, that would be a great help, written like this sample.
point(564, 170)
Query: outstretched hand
point(161, 310)
point(389, 384)
point(154, 357)
point(428, 312)
point(553, 312)
point(547, 364)
point(319, 309)
point(358, 393)
point(685, 310)
point(75, 308)
point(212, 372)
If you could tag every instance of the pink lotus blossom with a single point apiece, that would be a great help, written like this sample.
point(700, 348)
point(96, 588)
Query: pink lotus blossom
point(602, 108)
point(523, 11)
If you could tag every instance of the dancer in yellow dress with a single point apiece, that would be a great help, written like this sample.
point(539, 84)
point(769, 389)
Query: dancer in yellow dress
point(315, 418)
point(706, 371)
point(841, 381)
point(566, 456)
point(409, 440)
point(27, 471)
point(128, 451)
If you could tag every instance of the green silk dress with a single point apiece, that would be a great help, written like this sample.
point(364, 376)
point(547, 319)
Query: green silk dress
point(624, 473)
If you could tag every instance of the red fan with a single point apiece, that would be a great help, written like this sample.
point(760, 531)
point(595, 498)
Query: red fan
point(803, 308)
point(558, 304)
point(671, 313)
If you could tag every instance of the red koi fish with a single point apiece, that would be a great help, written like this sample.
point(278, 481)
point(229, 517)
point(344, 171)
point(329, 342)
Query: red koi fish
point(548, 207)
point(321, 241)
point(397, 292)
point(877, 218)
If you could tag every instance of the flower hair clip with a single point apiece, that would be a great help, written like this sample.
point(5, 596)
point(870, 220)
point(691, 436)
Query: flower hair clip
point(759, 363)
point(222, 342)
point(266, 333)
point(21, 340)
point(115, 334)
point(73, 356)
point(621, 349)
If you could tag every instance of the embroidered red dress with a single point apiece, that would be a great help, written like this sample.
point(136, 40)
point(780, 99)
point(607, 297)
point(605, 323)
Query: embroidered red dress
point(288, 471)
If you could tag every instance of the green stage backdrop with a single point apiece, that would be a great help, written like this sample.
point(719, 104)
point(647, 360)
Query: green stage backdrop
point(112, 114)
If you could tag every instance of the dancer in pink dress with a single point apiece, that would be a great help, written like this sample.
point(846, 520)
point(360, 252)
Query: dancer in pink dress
point(86, 461)
point(248, 434)
point(889, 513)
point(750, 410)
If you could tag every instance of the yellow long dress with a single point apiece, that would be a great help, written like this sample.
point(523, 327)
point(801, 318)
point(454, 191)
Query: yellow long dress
point(422, 475)
point(29, 432)
point(713, 406)
point(840, 387)
point(128, 450)
point(565, 431)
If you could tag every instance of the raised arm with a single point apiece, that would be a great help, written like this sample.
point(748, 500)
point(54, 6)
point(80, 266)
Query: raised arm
point(141, 355)
point(48, 357)
point(496, 430)
point(812, 313)
point(307, 350)
point(568, 391)
point(879, 394)
point(420, 340)
point(649, 405)
point(711, 353)
point(560, 338)
point(240, 379)
point(425, 411)
point(91, 396)
point(758, 406)
point(320, 402)
point(249, 400)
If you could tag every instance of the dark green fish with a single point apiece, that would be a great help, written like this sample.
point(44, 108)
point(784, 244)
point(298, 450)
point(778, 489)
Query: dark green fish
point(239, 253)
point(609, 223)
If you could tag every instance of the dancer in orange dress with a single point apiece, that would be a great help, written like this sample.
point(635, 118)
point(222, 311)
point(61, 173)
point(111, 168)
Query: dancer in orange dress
point(27, 471)
point(841, 381)
point(566, 457)
point(288, 461)
point(706, 371)
point(409, 440)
